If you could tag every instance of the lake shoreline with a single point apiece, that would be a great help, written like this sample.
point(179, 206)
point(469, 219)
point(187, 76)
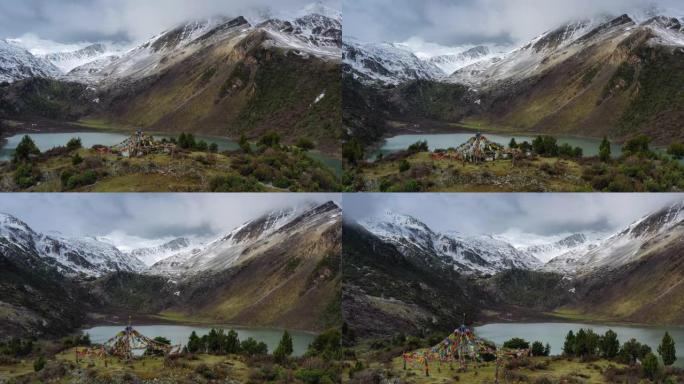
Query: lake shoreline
point(155, 320)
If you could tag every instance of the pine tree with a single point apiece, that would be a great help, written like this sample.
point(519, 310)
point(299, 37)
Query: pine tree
point(609, 345)
point(513, 143)
point(194, 343)
point(25, 150)
point(569, 345)
point(667, 351)
point(604, 150)
point(284, 349)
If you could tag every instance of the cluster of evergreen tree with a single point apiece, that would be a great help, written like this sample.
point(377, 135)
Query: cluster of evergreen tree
point(188, 141)
point(586, 344)
point(217, 342)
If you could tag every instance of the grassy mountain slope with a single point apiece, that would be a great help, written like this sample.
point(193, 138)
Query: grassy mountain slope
point(294, 285)
point(619, 89)
point(647, 291)
point(231, 90)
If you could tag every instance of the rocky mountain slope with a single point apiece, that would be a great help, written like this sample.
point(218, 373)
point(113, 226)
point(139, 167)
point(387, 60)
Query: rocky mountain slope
point(385, 63)
point(386, 291)
point(17, 63)
point(467, 254)
point(73, 257)
point(68, 61)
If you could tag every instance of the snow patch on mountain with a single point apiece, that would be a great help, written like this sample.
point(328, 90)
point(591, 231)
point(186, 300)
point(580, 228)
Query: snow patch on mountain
point(385, 62)
point(483, 254)
point(626, 245)
point(17, 63)
point(248, 239)
point(73, 256)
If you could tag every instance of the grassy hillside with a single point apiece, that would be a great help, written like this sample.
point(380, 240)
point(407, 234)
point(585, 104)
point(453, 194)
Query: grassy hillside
point(648, 291)
point(294, 285)
point(245, 89)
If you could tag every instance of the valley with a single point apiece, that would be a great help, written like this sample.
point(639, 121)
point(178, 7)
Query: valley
point(276, 273)
point(222, 77)
point(407, 285)
point(588, 79)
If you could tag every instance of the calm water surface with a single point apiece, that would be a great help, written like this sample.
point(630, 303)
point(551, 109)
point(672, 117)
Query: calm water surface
point(554, 334)
point(179, 334)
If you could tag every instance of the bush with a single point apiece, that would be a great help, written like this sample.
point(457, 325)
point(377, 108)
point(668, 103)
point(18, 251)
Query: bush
point(25, 176)
point(650, 366)
point(76, 159)
point(234, 183)
point(305, 144)
point(270, 139)
point(638, 145)
point(70, 179)
point(676, 150)
point(517, 343)
point(39, 364)
point(327, 345)
point(404, 166)
point(420, 146)
point(213, 147)
point(74, 144)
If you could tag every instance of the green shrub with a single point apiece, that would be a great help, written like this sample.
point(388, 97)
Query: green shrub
point(74, 144)
point(39, 364)
point(404, 166)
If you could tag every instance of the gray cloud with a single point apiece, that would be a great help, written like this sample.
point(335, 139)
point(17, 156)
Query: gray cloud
point(455, 22)
point(539, 214)
point(147, 216)
point(70, 21)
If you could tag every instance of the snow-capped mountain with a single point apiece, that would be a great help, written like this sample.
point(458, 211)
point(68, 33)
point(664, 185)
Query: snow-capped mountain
point(67, 61)
point(152, 255)
point(310, 34)
point(84, 256)
point(385, 63)
point(251, 238)
point(575, 243)
point(555, 46)
point(451, 63)
point(469, 254)
point(314, 30)
point(17, 63)
point(626, 246)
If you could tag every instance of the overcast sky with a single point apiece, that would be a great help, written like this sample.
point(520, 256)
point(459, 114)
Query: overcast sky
point(138, 218)
point(457, 22)
point(546, 214)
point(72, 21)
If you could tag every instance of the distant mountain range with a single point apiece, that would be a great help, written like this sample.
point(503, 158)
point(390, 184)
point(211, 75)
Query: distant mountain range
point(284, 260)
point(588, 77)
point(400, 273)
